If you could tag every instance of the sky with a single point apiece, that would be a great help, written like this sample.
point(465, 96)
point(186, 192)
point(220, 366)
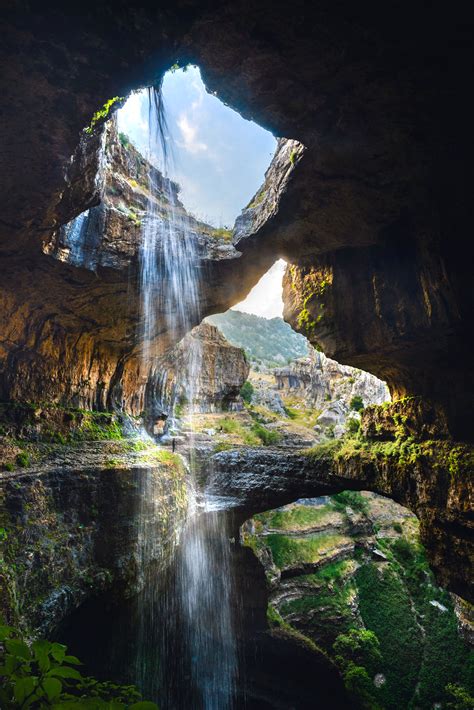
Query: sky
point(265, 299)
point(218, 157)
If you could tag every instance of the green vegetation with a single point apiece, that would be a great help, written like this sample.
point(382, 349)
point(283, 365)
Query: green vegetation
point(43, 676)
point(353, 499)
point(23, 459)
point(357, 403)
point(257, 200)
point(222, 446)
point(246, 391)
point(331, 572)
point(459, 698)
point(324, 452)
point(271, 342)
point(357, 653)
point(222, 233)
point(294, 518)
point(252, 435)
point(409, 631)
point(124, 139)
point(289, 551)
point(353, 425)
point(267, 437)
point(102, 114)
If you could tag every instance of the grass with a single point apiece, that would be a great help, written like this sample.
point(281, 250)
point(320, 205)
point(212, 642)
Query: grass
point(332, 572)
point(297, 517)
point(351, 499)
point(291, 551)
point(300, 414)
point(222, 233)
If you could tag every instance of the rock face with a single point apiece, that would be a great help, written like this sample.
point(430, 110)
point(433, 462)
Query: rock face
point(429, 477)
point(352, 563)
point(323, 380)
point(70, 533)
point(371, 200)
point(336, 391)
point(204, 372)
point(375, 218)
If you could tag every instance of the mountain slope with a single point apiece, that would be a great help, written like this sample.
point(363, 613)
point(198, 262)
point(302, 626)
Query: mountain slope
point(271, 341)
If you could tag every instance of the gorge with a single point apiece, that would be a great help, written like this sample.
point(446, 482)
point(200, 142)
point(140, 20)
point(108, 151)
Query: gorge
point(187, 516)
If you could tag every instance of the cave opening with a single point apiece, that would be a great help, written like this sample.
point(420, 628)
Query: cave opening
point(372, 231)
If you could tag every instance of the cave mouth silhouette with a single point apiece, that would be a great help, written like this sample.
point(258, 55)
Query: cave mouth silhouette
point(217, 157)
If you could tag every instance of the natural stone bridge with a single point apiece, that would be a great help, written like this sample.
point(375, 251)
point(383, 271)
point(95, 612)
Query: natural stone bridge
point(264, 479)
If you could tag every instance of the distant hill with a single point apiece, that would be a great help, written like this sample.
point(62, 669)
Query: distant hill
point(269, 341)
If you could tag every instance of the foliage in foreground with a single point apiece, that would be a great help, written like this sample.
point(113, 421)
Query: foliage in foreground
point(44, 676)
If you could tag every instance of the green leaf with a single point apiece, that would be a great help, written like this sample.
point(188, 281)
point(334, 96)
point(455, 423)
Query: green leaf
point(144, 705)
point(72, 659)
point(41, 652)
point(65, 672)
point(5, 632)
point(23, 687)
point(53, 688)
point(18, 648)
point(58, 651)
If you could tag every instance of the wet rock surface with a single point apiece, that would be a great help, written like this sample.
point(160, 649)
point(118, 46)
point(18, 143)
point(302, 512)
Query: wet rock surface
point(352, 564)
point(72, 531)
point(265, 478)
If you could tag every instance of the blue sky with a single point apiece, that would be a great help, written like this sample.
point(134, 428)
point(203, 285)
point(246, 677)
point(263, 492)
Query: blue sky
point(219, 158)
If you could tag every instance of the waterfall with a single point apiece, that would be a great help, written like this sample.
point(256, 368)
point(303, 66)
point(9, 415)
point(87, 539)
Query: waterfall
point(169, 271)
point(196, 610)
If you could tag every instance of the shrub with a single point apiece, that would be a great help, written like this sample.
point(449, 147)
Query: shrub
point(460, 698)
point(124, 139)
point(360, 686)
point(357, 403)
point(397, 527)
point(45, 676)
point(353, 425)
point(23, 459)
point(353, 499)
point(361, 647)
point(266, 436)
point(247, 391)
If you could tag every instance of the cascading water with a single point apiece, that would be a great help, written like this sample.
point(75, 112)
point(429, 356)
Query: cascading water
point(197, 605)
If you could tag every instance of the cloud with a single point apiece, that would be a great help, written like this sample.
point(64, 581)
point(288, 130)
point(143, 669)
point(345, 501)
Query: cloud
point(189, 131)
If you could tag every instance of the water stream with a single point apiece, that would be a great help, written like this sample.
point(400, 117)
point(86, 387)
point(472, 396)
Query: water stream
point(196, 608)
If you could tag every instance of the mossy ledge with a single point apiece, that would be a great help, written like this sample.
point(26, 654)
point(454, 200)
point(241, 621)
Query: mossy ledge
point(433, 477)
point(70, 530)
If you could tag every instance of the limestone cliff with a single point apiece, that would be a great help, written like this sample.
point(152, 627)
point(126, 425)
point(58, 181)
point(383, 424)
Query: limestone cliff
point(70, 530)
point(203, 373)
point(339, 567)
point(336, 391)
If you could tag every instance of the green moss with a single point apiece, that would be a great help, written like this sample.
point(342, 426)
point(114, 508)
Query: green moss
point(298, 516)
point(325, 451)
point(103, 114)
point(332, 572)
point(258, 199)
point(290, 551)
point(222, 446)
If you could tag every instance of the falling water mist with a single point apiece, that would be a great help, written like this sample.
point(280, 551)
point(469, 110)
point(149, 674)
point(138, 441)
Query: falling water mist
point(186, 651)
